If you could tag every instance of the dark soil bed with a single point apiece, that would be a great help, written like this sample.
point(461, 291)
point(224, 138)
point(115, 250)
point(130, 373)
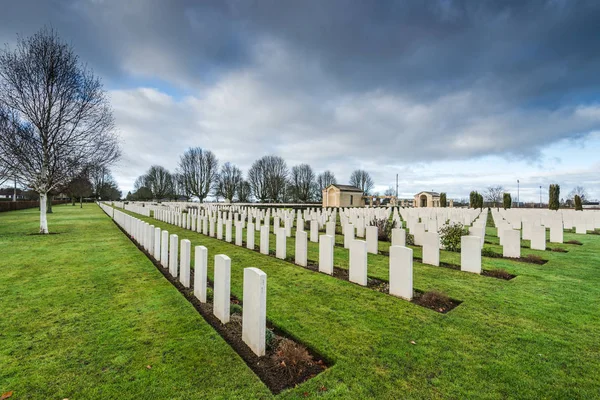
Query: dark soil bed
point(277, 376)
point(498, 274)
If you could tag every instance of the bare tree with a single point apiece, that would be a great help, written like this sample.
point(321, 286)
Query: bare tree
point(362, 180)
point(228, 181)
point(578, 191)
point(160, 181)
point(199, 170)
point(303, 183)
point(244, 192)
point(55, 118)
point(324, 179)
point(268, 178)
point(494, 195)
point(390, 191)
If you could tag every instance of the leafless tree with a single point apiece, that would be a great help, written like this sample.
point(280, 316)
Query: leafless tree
point(55, 118)
point(268, 178)
point(362, 180)
point(494, 195)
point(324, 179)
point(244, 192)
point(302, 181)
point(199, 171)
point(160, 181)
point(390, 191)
point(228, 181)
point(578, 191)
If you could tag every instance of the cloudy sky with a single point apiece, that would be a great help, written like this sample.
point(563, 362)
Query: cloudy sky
point(451, 95)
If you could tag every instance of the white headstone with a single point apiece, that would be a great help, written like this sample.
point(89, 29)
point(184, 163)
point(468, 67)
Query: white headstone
point(348, 235)
point(157, 238)
point(250, 236)
point(184, 268)
point(538, 238)
point(398, 237)
point(470, 254)
point(173, 255)
point(358, 262)
point(222, 287)
point(301, 248)
point(280, 243)
point(264, 239)
point(511, 243)
point(164, 249)
point(254, 317)
point(401, 272)
point(326, 243)
point(431, 248)
point(372, 242)
point(200, 272)
point(314, 231)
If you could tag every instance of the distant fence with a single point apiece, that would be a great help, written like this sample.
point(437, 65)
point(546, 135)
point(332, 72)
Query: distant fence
point(21, 205)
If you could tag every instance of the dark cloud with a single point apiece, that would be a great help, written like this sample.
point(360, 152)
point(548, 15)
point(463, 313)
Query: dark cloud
point(337, 83)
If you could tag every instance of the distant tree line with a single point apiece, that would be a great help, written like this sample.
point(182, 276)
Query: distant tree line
point(269, 180)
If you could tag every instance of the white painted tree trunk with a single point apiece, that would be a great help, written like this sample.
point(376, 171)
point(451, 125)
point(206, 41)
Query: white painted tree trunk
point(43, 219)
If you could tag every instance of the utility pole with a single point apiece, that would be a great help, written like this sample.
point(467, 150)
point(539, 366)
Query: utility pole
point(518, 200)
point(540, 196)
point(396, 186)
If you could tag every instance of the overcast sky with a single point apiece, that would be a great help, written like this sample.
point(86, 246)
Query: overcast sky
point(451, 95)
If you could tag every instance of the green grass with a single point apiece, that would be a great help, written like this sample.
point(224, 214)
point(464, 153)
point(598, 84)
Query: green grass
point(532, 337)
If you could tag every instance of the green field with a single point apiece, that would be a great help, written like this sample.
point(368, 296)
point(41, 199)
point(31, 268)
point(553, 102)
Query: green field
point(84, 313)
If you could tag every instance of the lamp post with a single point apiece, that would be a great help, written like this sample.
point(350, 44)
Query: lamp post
point(518, 200)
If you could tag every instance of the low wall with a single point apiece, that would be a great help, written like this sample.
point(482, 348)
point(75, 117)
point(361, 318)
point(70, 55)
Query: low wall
point(22, 204)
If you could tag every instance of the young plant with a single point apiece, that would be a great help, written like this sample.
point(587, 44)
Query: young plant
point(450, 236)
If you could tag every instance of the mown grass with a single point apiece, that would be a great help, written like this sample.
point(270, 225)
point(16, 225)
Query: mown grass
point(532, 337)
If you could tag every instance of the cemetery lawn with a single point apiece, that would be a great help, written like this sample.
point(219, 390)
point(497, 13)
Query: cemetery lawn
point(84, 312)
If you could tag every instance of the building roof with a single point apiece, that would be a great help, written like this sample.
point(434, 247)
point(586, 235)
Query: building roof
point(431, 193)
point(346, 188)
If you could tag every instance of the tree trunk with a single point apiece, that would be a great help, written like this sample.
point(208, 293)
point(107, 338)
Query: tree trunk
point(80, 202)
point(43, 220)
point(49, 203)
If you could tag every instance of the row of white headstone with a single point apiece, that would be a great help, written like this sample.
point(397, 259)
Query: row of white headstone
point(176, 256)
point(401, 263)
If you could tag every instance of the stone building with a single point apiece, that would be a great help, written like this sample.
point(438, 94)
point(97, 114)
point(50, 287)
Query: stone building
point(342, 196)
point(427, 199)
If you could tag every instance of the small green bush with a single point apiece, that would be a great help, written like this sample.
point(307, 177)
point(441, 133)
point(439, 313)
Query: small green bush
point(235, 309)
point(384, 228)
point(209, 294)
point(450, 236)
point(410, 239)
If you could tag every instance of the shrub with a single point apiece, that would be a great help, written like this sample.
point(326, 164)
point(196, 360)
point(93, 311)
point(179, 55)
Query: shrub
point(450, 236)
point(443, 201)
point(384, 228)
point(506, 201)
point(209, 294)
point(235, 309)
point(578, 206)
point(292, 356)
point(553, 197)
point(435, 300)
point(499, 273)
point(410, 239)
